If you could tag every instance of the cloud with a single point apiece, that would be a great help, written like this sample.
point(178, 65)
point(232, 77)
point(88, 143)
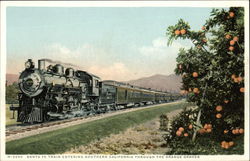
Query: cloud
point(59, 49)
point(159, 48)
point(160, 57)
point(58, 52)
point(90, 58)
point(116, 71)
point(84, 55)
point(159, 42)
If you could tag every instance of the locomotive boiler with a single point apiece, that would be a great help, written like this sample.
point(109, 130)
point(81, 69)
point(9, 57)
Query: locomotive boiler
point(51, 92)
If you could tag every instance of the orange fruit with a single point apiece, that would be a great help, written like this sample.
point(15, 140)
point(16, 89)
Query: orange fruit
point(178, 133)
point(209, 126)
point(232, 42)
point(209, 130)
point(233, 76)
point(186, 134)
point(198, 46)
point(205, 126)
point(196, 90)
point(235, 38)
point(183, 31)
point(236, 131)
point(231, 48)
point(241, 131)
point(201, 131)
point(230, 143)
point(231, 14)
point(242, 89)
point(218, 116)
point(181, 129)
point(223, 142)
point(226, 101)
point(190, 126)
point(233, 131)
point(236, 80)
point(177, 32)
point(195, 74)
point(204, 40)
point(219, 108)
point(225, 131)
point(227, 36)
point(240, 79)
point(184, 92)
point(226, 146)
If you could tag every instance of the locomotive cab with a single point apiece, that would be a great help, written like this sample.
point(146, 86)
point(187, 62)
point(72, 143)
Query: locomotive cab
point(93, 82)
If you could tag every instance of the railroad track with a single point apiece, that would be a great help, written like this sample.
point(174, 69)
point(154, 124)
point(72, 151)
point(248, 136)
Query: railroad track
point(15, 132)
point(16, 129)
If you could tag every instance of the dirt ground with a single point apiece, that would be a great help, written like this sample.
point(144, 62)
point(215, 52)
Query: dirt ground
point(142, 139)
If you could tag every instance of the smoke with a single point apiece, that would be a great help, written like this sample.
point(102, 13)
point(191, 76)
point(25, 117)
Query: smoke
point(62, 63)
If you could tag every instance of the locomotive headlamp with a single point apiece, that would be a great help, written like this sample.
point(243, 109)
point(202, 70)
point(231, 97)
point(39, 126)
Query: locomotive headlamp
point(29, 64)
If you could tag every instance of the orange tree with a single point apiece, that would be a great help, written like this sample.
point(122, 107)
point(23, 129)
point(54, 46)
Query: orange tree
point(213, 77)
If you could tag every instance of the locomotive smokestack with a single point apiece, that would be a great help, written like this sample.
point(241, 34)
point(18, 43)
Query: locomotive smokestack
point(41, 64)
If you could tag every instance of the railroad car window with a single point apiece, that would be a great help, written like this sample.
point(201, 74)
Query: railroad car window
point(96, 83)
point(126, 94)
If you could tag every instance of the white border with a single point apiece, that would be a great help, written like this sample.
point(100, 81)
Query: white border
point(123, 4)
point(180, 3)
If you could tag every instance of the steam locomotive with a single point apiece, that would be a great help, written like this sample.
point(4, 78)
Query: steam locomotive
point(50, 92)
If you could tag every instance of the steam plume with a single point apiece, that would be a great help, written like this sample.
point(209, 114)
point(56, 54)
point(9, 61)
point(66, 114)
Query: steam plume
point(59, 62)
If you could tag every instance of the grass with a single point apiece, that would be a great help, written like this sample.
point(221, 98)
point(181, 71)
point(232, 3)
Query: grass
point(59, 141)
point(9, 116)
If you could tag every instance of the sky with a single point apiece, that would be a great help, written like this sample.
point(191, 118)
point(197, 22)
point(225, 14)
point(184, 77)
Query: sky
point(118, 43)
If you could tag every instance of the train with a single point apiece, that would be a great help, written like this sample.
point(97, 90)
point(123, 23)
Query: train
point(50, 92)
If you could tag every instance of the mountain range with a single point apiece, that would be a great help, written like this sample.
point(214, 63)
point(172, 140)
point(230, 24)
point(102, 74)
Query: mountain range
point(170, 83)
